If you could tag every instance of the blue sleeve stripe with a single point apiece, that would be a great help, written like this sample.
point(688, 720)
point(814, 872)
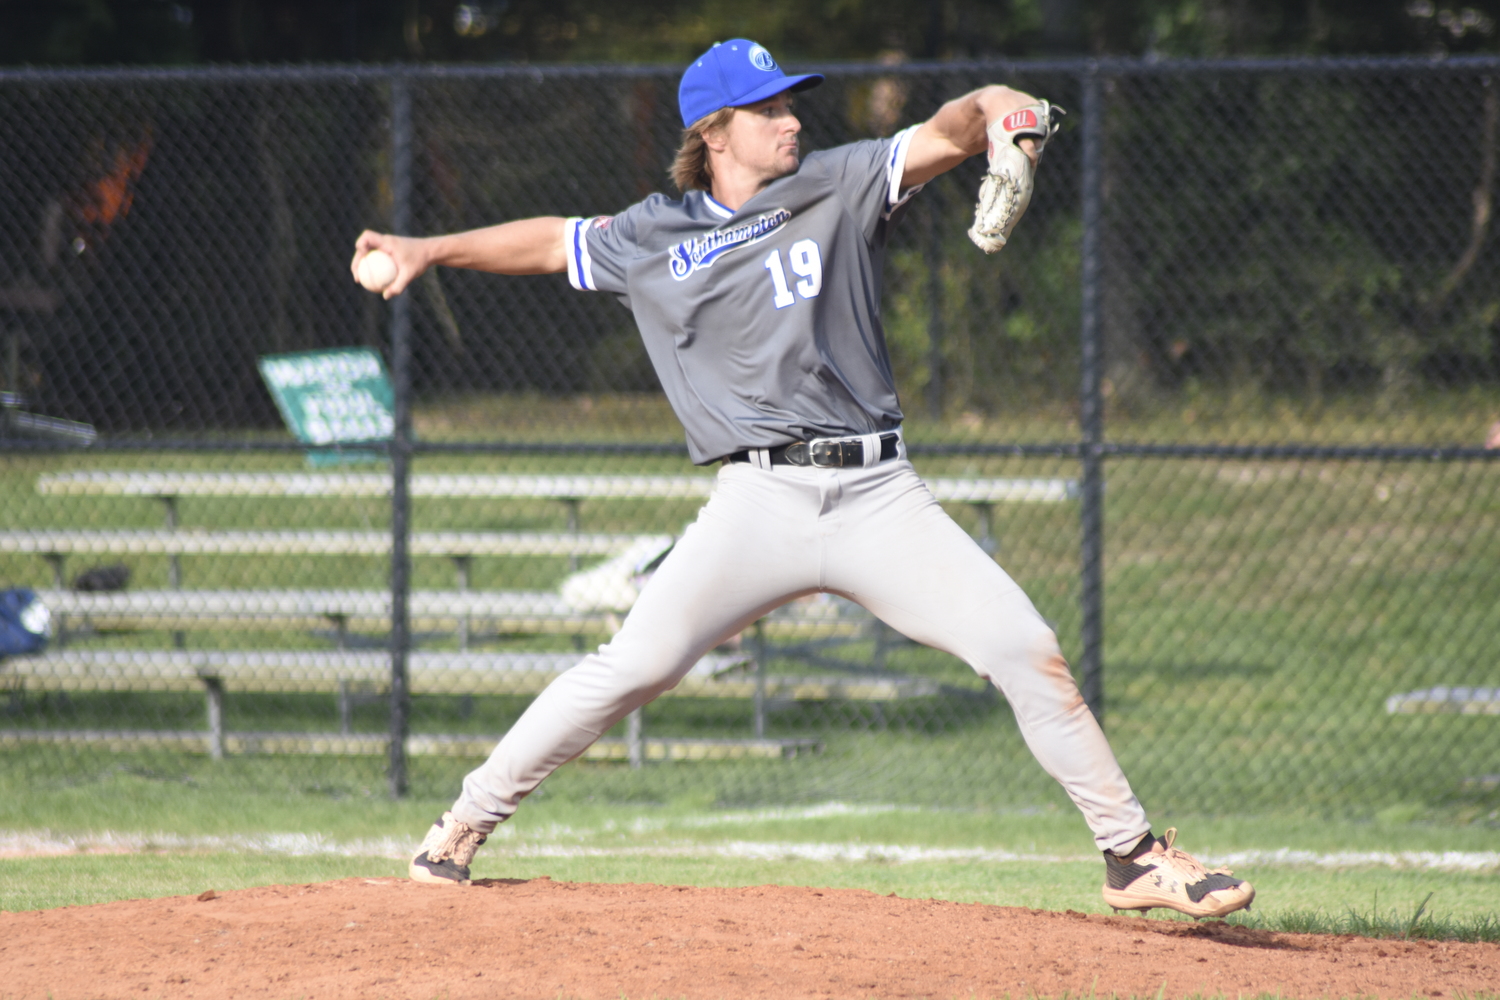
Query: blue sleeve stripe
point(895, 197)
point(578, 238)
point(580, 264)
point(570, 240)
point(585, 262)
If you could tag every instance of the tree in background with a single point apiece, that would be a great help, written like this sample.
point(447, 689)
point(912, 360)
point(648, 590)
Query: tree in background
point(259, 31)
point(1317, 292)
point(1292, 27)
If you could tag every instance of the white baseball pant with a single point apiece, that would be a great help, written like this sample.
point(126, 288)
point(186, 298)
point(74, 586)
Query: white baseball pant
point(766, 536)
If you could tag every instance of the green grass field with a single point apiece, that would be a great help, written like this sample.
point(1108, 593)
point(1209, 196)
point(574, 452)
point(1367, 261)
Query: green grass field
point(1259, 614)
point(236, 828)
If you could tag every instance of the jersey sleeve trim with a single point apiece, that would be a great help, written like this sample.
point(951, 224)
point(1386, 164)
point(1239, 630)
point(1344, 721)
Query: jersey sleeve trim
point(580, 264)
point(896, 169)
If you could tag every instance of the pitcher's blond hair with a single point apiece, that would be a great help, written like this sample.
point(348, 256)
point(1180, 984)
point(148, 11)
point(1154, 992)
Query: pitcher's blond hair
point(690, 167)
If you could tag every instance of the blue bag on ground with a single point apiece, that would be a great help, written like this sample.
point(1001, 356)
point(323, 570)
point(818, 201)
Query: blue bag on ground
point(25, 622)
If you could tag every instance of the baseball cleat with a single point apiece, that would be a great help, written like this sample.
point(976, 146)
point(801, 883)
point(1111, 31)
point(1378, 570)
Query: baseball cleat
point(446, 853)
point(1158, 874)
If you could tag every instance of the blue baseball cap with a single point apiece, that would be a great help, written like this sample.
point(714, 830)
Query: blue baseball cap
point(732, 74)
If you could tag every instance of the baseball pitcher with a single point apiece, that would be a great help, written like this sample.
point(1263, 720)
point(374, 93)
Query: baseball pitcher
point(757, 294)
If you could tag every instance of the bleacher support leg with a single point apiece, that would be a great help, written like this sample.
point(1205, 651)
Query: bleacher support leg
point(572, 504)
point(214, 688)
point(174, 565)
point(986, 539)
point(635, 744)
point(461, 565)
point(13, 361)
point(760, 680)
point(55, 560)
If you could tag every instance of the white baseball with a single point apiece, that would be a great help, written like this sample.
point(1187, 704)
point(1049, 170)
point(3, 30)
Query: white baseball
point(377, 270)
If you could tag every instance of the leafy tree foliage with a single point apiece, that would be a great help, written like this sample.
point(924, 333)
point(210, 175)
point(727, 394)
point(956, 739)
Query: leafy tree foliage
point(187, 31)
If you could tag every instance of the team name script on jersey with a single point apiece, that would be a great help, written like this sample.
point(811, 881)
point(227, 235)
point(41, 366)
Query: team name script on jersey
point(701, 251)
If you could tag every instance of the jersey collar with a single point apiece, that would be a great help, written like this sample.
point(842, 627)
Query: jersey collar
point(718, 209)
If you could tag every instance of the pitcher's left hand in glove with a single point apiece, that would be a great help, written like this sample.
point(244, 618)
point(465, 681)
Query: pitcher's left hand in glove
point(1006, 189)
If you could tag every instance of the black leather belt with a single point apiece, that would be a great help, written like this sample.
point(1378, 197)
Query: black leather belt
point(823, 453)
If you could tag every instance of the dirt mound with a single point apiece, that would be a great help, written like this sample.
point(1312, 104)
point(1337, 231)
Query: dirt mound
point(366, 938)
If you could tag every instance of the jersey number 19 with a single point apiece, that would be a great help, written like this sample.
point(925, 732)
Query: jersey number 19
point(806, 262)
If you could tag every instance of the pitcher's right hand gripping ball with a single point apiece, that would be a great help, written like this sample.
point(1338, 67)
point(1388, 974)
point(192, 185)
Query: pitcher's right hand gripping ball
point(1006, 189)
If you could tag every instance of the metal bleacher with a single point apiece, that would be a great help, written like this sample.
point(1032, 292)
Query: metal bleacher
point(352, 673)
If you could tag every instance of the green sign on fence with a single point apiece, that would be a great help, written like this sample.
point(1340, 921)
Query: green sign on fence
point(332, 397)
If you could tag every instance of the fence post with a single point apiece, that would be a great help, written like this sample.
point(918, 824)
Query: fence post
point(401, 184)
point(1091, 400)
point(935, 337)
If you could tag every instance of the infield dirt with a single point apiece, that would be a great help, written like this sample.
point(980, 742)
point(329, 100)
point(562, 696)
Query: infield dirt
point(373, 938)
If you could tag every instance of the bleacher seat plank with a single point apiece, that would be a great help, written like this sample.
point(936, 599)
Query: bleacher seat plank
point(952, 490)
point(538, 612)
point(328, 671)
point(308, 671)
point(199, 541)
point(314, 605)
point(503, 611)
point(670, 748)
point(308, 484)
point(569, 487)
point(1457, 700)
point(855, 687)
point(375, 744)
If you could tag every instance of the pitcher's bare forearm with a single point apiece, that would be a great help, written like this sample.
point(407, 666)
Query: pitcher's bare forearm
point(526, 246)
point(957, 132)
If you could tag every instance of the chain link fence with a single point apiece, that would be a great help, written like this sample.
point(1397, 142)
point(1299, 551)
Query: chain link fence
point(1221, 407)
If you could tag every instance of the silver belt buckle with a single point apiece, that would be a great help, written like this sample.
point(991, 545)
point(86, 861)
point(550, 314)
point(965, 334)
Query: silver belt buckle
point(835, 453)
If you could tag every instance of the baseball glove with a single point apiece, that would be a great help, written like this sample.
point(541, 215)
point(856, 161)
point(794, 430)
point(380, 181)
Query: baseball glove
point(1006, 189)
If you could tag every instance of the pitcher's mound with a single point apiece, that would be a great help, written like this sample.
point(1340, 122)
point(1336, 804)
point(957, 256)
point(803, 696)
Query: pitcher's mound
point(369, 938)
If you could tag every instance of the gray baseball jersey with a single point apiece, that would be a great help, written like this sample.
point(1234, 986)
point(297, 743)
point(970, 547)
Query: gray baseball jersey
point(763, 324)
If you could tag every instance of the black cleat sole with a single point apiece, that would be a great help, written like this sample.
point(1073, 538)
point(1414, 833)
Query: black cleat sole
point(424, 869)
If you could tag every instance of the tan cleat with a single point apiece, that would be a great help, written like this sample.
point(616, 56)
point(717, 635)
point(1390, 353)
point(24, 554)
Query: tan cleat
point(1161, 875)
point(446, 853)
